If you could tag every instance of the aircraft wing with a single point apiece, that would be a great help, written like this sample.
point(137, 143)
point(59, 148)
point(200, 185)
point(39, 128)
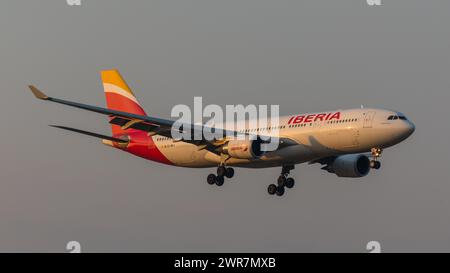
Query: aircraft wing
point(114, 139)
point(153, 125)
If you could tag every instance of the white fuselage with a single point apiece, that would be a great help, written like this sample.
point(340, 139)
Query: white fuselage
point(317, 136)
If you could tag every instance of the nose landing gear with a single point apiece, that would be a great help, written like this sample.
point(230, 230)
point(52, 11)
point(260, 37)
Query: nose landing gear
point(376, 154)
point(283, 182)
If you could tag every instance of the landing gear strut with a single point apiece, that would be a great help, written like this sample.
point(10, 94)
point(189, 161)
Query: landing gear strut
point(283, 182)
point(222, 172)
point(376, 153)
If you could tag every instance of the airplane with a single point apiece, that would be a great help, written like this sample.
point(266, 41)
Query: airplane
point(347, 142)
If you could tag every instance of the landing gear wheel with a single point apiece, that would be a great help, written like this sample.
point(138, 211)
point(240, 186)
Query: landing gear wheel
point(219, 180)
point(229, 172)
point(280, 191)
point(375, 164)
point(221, 170)
point(272, 189)
point(281, 181)
point(211, 179)
point(376, 153)
point(290, 182)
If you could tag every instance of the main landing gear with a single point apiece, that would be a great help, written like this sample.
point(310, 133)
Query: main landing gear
point(283, 182)
point(376, 153)
point(222, 172)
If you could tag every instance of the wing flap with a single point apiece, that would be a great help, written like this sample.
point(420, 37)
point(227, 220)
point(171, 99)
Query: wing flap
point(135, 124)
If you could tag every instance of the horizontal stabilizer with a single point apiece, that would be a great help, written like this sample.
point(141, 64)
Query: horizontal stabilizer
point(118, 140)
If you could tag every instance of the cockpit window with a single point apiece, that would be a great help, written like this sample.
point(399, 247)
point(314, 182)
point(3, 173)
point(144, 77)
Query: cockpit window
point(395, 117)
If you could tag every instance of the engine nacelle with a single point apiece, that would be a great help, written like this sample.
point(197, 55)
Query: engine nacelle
point(352, 165)
point(243, 149)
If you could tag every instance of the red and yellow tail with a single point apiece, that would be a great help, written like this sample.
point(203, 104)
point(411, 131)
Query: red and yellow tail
point(119, 96)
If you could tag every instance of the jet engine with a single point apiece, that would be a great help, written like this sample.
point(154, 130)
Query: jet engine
point(243, 149)
point(351, 165)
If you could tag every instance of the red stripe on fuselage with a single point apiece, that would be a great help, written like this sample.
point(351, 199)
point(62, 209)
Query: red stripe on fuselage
point(143, 146)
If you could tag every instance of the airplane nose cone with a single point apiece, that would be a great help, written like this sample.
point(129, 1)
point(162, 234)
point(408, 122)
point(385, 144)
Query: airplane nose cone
point(401, 132)
point(409, 129)
point(412, 128)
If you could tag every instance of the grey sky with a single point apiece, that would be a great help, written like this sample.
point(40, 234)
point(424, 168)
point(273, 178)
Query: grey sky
point(304, 55)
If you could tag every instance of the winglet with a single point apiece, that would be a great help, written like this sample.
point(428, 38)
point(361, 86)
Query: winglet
point(37, 93)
